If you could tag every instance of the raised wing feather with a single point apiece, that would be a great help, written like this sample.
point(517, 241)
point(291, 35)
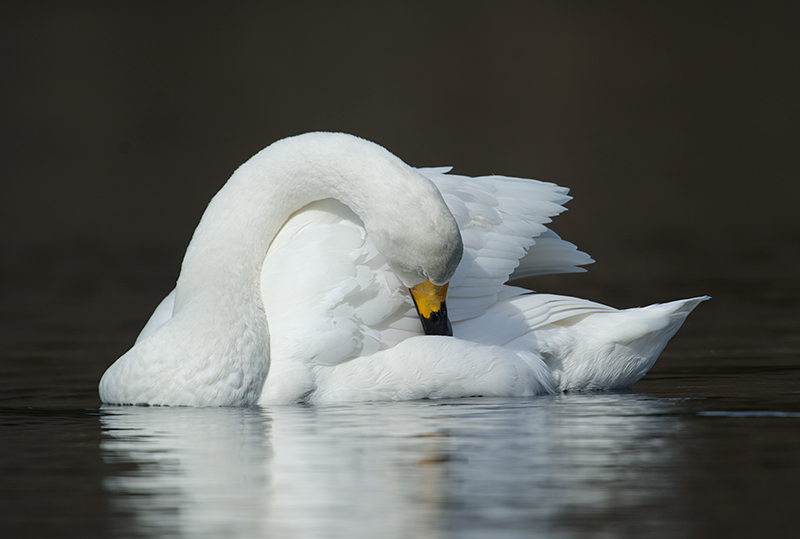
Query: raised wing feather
point(550, 254)
point(501, 219)
point(524, 314)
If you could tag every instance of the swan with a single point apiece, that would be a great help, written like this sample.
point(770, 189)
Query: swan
point(328, 270)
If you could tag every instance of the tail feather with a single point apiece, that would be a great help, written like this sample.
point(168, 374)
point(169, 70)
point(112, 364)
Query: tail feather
point(615, 350)
point(587, 346)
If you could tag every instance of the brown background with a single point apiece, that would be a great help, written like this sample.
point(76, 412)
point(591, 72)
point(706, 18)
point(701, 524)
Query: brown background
point(675, 124)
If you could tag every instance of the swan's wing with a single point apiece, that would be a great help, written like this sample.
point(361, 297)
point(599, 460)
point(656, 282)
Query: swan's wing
point(550, 254)
point(509, 320)
point(329, 295)
point(501, 219)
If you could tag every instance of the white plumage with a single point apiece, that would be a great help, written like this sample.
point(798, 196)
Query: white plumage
point(332, 319)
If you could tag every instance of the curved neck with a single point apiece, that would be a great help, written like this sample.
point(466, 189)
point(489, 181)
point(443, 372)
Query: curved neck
point(226, 254)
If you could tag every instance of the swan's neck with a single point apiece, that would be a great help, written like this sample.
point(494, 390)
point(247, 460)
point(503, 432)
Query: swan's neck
point(224, 259)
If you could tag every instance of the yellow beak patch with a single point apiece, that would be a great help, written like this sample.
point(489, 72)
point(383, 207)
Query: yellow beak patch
point(429, 297)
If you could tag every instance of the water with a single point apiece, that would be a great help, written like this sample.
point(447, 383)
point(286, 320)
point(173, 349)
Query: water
point(553, 467)
point(707, 445)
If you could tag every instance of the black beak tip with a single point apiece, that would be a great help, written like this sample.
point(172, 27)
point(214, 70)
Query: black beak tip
point(438, 323)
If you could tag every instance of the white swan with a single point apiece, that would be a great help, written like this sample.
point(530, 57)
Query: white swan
point(326, 315)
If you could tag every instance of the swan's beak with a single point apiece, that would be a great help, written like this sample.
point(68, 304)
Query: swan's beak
point(429, 300)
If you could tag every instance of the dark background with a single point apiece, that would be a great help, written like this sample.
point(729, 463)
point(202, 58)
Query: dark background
point(674, 123)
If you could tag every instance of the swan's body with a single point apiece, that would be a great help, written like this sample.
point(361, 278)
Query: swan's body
point(326, 315)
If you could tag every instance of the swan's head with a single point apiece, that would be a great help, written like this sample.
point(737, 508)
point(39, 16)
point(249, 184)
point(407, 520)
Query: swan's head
point(420, 240)
point(425, 266)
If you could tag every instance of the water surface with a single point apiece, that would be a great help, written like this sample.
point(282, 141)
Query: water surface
point(550, 467)
point(706, 445)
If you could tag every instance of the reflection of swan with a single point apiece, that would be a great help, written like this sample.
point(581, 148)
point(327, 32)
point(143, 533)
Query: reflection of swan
point(564, 466)
point(200, 472)
point(332, 286)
